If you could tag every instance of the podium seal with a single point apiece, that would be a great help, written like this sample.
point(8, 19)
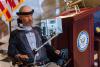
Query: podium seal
point(83, 41)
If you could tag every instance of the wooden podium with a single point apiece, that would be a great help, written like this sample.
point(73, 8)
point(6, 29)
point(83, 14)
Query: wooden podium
point(78, 37)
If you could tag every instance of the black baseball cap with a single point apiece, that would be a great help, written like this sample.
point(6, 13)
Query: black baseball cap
point(21, 12)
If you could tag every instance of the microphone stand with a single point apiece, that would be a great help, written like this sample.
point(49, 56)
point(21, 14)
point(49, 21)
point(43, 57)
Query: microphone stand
point(43, 46)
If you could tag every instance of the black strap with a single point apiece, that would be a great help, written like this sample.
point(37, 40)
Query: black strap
point(25, 13)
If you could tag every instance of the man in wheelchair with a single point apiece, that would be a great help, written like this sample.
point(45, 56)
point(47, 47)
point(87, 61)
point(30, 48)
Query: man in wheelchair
point(26, 39)
point(58, 57)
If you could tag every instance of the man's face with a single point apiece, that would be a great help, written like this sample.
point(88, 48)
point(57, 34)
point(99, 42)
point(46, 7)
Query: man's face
point(27, 20)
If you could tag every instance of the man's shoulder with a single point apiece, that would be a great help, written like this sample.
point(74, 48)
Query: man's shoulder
point(14, 31)
point(37, 28)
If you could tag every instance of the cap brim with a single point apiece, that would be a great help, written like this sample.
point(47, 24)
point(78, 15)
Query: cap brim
point(25, 13)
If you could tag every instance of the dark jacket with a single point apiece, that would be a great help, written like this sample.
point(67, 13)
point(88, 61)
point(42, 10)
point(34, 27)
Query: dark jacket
point(18, 44)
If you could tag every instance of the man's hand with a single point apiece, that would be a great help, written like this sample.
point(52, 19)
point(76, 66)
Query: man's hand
point(57, 52)
point(22, 56)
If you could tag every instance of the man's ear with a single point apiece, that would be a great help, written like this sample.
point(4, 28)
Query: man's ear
point(19, 21)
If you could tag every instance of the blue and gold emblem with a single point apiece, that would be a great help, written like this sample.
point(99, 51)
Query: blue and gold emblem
point(83, 41)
